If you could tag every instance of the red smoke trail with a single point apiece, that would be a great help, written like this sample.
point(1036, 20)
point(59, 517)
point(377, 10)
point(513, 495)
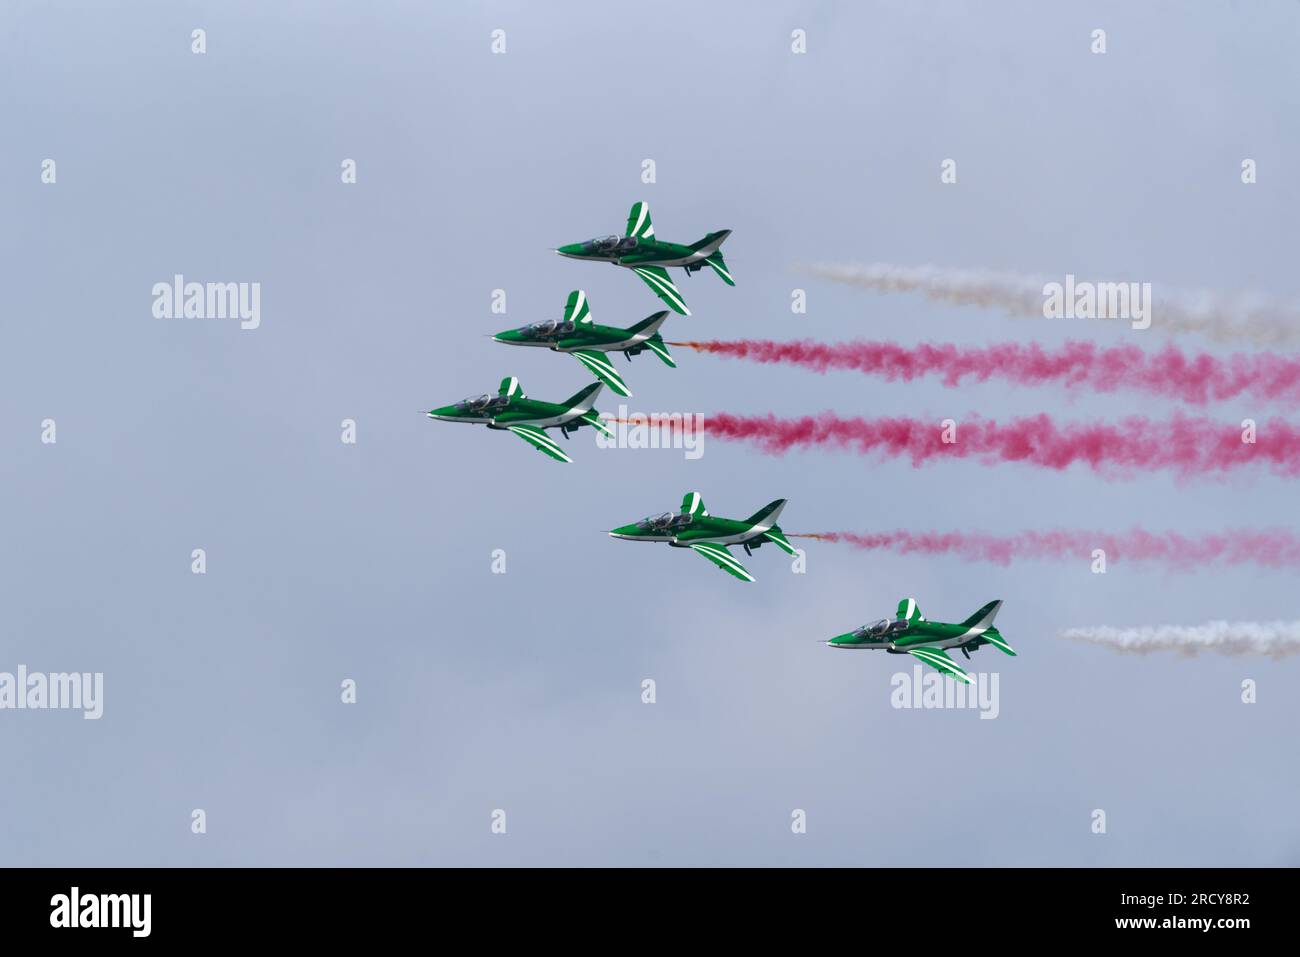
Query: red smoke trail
point(1195, 378)
point(1183, 444)
point(1270, 548)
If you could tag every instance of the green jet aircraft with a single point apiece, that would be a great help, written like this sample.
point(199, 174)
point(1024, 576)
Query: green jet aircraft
point(911, 634)
point(649, 257)
point(587, 342)
point(512, 411)
point(694, 528)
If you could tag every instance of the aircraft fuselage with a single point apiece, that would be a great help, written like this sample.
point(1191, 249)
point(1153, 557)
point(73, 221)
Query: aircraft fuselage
point(518, 412)
point(645, 252)
point(922, 634)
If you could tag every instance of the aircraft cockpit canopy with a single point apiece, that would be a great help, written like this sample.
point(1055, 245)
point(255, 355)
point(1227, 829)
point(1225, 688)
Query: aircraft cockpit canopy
point(483, 403)
point(873, 631)
point(547, 327)
point(657, 521)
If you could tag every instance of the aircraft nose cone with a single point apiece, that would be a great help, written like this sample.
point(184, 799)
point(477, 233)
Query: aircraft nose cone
point(510, 335)
point(573, 249)
point(623, 531)
point(445, 411)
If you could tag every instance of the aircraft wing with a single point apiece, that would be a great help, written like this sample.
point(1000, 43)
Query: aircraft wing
point(719, 555)
point(938, 660)
point(540, 440)
point(639, 223)
point(656, 277)
point(602, 368)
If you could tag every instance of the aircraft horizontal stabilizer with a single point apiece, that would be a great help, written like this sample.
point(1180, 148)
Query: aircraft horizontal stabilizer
point(656, 345)
point(594, 420)
point(994, 638)
point(720, 267)
point(776, 536)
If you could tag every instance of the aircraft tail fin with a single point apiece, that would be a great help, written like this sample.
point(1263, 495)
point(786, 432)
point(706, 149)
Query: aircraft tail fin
point(768, 514)
point(655, 342)
point(711, 243)
point(711, 248)
point(510, 387)
point(984, 617)
point(584, 403)
point(585, 399)
point(651, 324)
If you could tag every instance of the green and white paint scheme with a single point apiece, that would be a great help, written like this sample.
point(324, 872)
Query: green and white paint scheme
point(580, 337)
point(694, 528)
point(911, 634)
point(512, 411)
point(650, 258)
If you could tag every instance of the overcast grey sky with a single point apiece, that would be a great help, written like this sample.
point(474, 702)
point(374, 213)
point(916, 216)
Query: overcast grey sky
point(372, 561)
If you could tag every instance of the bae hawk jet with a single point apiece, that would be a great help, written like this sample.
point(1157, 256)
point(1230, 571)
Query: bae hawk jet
point(694, 528)
point(589, 343)
point(512, 411)
point(650, 258)
point(910, 634)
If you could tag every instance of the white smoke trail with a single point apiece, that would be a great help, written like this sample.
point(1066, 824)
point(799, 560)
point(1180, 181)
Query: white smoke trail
point(1221, 316)
point(1275, 638)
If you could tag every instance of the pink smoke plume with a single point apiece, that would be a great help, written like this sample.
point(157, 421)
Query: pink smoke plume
point(1185, 445)
point(1269, 548)
point(1195, 378)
